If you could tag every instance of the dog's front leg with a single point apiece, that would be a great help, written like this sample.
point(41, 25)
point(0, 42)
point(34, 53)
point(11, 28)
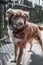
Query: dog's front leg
point(20, 56)
point(15, 52)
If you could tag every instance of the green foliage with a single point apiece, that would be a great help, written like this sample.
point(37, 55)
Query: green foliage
point(36, 16)
point(38, 7)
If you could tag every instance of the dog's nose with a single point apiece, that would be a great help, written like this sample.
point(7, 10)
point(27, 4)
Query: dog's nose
point(20, 23)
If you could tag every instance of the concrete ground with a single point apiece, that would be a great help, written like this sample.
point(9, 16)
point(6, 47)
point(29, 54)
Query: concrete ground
point(34, 57)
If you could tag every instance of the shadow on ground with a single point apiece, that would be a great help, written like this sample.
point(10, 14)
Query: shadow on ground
point(36, 59)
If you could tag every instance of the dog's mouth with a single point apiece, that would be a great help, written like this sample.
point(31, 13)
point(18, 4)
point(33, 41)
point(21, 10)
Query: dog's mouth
point(18, 26)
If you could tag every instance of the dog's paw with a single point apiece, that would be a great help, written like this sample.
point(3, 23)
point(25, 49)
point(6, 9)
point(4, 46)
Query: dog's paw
point(29, 51)
point(13, 61)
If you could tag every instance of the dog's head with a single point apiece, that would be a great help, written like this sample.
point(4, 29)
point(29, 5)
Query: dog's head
point(16, 18)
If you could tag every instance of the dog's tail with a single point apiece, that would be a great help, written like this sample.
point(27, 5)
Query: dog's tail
point(40, 27)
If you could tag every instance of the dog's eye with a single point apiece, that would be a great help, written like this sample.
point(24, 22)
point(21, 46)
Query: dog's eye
point(23, 17)
point(13, 19)
point(15, 16)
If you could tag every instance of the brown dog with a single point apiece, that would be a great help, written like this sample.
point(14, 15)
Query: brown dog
point(21, 31)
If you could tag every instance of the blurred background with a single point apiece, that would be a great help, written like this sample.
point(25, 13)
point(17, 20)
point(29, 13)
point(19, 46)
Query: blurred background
point(35, 8)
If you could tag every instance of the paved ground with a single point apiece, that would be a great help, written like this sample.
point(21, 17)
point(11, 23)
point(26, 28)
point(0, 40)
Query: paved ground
point(35, 57)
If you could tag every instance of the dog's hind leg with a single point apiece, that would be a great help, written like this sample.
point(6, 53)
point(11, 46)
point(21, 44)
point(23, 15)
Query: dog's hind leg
point(30, 42)
point(39, 39)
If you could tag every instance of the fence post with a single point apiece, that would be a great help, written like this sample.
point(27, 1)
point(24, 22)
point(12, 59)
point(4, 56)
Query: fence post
point(1, 22)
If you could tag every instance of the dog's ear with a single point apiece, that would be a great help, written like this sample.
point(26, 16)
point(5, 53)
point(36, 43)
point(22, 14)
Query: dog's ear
point(8, 13)
point(27, 15)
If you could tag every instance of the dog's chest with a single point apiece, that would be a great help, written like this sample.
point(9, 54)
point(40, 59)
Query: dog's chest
point(19, 35)
point(12, 38)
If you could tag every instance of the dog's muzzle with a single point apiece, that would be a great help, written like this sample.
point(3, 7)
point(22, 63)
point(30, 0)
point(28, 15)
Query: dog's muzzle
point(20, 23)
